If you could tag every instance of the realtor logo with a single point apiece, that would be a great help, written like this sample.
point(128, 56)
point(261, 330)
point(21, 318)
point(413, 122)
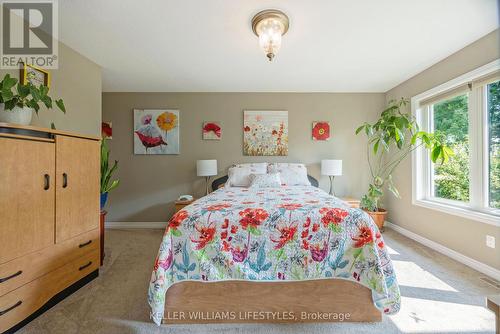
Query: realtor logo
point(29, 34)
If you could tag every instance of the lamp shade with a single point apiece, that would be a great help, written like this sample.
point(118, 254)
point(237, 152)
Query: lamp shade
point(331, 167)
point(206, 167)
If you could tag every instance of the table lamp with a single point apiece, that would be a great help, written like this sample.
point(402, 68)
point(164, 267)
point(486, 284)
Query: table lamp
point(206, 168)
point(331, 168)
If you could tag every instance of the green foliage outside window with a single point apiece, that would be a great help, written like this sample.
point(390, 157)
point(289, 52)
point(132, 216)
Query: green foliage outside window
point(451, 178)
point(451, 119)
point(494, 142)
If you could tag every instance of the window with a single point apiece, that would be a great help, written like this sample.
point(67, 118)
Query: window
point(493, 98)
point(451, 118)
point(466, 111)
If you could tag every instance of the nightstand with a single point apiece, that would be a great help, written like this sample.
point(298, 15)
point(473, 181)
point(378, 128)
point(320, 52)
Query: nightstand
point(353, 202)
point(179, 205)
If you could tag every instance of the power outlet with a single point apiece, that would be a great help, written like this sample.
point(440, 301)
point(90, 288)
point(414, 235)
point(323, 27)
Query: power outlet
point(490, 241)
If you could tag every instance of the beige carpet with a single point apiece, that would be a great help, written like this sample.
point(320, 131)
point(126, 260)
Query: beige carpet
point(439, 296)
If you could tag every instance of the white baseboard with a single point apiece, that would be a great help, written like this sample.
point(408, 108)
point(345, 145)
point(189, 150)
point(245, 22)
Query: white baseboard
point(479, 266)
point(159, 225)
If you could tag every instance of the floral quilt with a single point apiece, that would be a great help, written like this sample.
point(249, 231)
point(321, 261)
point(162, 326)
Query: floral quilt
point(286, 233)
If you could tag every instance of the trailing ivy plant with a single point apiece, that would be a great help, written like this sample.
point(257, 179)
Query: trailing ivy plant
point(14, 94)
point(390, 140)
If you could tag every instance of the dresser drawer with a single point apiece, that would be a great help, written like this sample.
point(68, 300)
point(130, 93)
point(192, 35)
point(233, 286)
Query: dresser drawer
point(20, 271)
point(20, 303)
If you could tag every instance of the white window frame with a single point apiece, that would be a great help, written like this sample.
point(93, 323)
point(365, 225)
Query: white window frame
point(477, 207)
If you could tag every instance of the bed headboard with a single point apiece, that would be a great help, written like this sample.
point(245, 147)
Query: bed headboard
point(217, 183)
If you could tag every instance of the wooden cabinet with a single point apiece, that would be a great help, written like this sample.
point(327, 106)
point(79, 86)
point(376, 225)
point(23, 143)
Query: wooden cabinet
point(32, 296)
point(49, 217)
point(27, 191)
point(39, 263)
point(77, 186)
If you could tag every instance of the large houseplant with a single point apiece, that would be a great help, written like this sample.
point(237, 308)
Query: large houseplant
point(106, 173)
point(390, 140)
point(18, 101)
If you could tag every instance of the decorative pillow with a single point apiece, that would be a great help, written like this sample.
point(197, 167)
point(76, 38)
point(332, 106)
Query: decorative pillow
point(239, 175)
point(258, 165)
point(265, 180)
point(292, 174)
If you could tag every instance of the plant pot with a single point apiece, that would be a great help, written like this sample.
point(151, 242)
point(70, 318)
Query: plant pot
point(16, 116)
point(378, 217)
point(104, 199)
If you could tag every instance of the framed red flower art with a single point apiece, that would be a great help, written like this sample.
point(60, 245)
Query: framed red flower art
point(212, 131)
point(321, 130)
point(106, 130)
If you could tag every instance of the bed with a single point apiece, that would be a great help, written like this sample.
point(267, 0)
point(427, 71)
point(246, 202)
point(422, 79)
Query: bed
point(287, 254)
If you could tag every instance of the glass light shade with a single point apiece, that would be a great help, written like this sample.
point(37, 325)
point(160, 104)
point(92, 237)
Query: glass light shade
point(270, 32)
point(269, 25)
point(331, 167)
point(206, 167)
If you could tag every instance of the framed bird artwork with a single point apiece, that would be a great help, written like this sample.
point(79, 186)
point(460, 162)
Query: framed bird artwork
point(156, 131)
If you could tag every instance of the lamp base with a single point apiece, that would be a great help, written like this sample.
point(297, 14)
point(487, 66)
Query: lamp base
point(331, 192)
point(207, 188)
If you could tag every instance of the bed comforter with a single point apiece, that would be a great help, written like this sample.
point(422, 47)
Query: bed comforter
point(287, 233)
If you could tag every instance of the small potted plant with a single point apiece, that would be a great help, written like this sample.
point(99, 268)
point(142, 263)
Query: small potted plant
point(106, 173)
point(18, 101)
point(390, 140)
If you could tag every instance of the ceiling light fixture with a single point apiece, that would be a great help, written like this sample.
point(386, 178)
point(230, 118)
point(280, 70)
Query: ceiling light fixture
point(269, 25)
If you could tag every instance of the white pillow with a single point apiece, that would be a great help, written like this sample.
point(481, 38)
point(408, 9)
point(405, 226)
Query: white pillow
point(258, 165)
point(239, 175)
point(291, 174)
point(265, 180)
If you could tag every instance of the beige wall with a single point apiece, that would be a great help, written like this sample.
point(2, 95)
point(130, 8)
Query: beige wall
point(462, 235)
point(151, 183)
point(78, 83)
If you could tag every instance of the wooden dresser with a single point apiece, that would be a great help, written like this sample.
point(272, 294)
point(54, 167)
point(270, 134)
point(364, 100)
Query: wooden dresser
point(49, 218)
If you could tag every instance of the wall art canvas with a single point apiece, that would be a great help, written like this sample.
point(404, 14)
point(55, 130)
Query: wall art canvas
point(156, 131)
point(212, 131)
point(107, 130)
point(321, 130)
point(34, 75)
point(265, 133)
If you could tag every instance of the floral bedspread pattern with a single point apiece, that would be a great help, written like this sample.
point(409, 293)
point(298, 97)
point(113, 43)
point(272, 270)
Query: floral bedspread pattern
point(287, 233)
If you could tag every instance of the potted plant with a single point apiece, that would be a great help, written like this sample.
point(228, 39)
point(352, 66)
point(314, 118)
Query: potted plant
point(17, 101)
point(390, 140)
point(106, 173)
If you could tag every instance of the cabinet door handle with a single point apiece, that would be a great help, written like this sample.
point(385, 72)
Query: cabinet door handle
point(65, 180)
point(85, 244)
point(11, 308)
point(46, 185)
point(3, 279)
point(85, 266)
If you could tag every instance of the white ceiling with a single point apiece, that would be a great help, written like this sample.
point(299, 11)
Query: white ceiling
point(208, 45)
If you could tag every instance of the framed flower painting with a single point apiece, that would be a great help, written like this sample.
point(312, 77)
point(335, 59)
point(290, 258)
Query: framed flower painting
point(212, 131)
point(321, 131)
point(156, 131)
point(107, 130)
point(265, 133)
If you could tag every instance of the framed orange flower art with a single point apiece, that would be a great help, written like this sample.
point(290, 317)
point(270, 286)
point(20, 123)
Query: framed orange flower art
point(156, 131)
point(321, 130)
